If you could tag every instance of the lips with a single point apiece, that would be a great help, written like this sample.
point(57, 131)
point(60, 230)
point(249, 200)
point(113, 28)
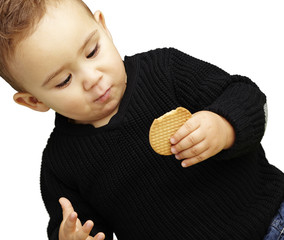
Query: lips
point(104, 97)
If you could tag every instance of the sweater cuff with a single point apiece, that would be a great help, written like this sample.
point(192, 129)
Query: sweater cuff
point(243, 107)
point(54, 235)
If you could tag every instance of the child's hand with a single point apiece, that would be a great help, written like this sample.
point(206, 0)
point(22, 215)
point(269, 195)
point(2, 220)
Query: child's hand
point(71, 227)
point(204, 135)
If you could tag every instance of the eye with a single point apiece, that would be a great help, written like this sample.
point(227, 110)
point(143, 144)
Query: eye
point(94, 52)
point(65, 82)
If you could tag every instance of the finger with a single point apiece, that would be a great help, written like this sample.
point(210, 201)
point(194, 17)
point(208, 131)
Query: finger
point(70, 223)
point(99, 236)
point(188, 127)
point(193, 151)
point(66, 206)
point(197, 159)
point(187, 142)
point(84, 232)
point(87, 227)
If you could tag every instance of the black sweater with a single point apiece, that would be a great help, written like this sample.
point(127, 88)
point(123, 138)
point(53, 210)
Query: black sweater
point(113, 177)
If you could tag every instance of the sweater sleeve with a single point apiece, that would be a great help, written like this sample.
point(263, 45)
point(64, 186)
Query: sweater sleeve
point(202, 86)
point(52, 188)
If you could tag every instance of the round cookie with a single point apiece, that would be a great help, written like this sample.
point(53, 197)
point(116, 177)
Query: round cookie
point(164, 127)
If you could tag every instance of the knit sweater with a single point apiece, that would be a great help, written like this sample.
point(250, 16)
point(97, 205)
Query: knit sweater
point(112, 176)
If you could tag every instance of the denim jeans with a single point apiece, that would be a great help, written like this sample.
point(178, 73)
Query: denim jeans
point(276, 229)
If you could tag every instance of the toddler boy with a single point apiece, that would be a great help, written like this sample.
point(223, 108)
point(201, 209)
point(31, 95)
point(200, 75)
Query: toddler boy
point(98, 160)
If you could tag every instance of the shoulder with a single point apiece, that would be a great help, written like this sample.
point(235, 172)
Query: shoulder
point(166, 52)
point(58, 157)
point(168, 56)
point(156, 53)
point(159, 58)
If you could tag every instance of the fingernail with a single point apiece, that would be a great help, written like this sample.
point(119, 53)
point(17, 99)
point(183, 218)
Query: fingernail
point(183, 164)
point(101, 237)
point(89, 224)
point(177, 157)
point(173, 141)
point(73, 216)
point(173, 150)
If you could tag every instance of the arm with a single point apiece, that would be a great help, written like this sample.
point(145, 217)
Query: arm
point(62, 216)
point(201, 86)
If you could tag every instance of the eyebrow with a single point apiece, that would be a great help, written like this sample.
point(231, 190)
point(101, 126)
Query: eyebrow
point(51, 76)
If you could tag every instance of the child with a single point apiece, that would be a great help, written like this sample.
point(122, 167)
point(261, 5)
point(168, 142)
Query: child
point(98, 160)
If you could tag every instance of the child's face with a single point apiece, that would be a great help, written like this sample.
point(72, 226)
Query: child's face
point(71, 65)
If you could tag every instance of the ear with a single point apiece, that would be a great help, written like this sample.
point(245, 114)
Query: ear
point(100, 19)
point(28, 100)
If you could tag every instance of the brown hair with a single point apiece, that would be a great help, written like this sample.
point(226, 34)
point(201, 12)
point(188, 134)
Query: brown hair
point(18, 20)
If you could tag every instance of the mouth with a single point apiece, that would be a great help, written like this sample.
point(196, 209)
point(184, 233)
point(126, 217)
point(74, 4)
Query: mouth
point(103, 98)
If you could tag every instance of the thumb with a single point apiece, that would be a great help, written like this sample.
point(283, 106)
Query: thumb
point(66, 206)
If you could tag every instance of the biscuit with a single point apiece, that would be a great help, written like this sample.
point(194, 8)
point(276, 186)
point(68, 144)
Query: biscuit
point(164, 127)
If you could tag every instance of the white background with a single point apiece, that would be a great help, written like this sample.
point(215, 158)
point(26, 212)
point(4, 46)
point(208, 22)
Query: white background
point(242, 37)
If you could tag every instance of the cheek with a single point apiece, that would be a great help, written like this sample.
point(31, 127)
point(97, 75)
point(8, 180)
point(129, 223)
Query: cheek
point(67, 104)
point(72, 105)
point(116, 66)
point(111, 56)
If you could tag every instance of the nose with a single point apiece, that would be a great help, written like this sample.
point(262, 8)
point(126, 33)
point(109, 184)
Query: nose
point(91, 79)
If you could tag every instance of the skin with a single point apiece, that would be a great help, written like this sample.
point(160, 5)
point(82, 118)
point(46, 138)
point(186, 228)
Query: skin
point(90, 87)
point(92, 94)
point(196, 140)
point(91, 84)
point(71, 227)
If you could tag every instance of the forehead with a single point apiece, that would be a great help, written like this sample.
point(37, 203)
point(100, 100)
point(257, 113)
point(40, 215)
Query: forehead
point(63, 28)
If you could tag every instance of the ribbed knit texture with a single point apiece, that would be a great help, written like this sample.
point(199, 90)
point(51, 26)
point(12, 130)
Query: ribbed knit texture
point(113, 177)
